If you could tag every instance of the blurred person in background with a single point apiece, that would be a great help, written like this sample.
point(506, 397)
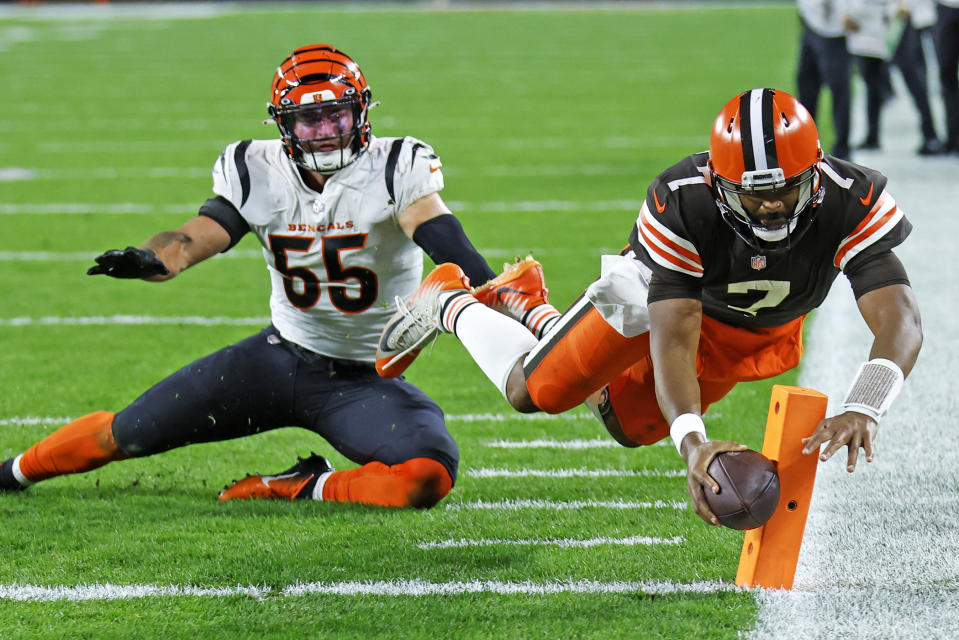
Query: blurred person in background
point(867, 26)
point(946, 33)
point(824, 60)
point(918, 18)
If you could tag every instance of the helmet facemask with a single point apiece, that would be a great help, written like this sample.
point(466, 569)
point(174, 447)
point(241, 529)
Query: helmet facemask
point(764, 184)
point(345, 141)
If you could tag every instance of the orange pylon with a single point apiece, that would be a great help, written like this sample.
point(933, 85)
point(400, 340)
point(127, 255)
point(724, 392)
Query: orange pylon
point(770, 553)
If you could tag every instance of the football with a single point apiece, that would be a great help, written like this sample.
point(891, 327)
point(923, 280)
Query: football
point(748, 489)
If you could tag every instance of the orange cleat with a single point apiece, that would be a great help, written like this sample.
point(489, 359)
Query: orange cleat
point(288, 485)
point(416, 322)
point(517, 291)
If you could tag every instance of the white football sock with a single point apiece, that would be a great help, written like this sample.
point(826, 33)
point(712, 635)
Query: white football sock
point(495, 341)
point(320, 483)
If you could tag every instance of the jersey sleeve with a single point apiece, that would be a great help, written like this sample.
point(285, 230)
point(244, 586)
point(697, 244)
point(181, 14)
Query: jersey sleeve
point(659, 238)
point(882, 226)
point(231, 175)
point(413, 172)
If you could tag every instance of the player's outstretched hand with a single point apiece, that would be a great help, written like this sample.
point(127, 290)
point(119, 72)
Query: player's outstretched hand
point(128, 263)
point(698, 479)
point(852, 429)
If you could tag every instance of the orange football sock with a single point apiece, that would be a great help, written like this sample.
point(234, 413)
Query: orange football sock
point(82, 445)
point(419, 482)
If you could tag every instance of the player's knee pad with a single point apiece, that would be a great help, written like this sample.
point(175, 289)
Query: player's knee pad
point(428, 480)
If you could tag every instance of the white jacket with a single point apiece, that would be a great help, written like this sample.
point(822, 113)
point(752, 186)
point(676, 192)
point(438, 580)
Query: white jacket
point(872, 37)
point(824, 17)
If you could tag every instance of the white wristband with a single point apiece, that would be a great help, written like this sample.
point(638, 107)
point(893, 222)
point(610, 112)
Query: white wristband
point(876, 385)
point(682, 426)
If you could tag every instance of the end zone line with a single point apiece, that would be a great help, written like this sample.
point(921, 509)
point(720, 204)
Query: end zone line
point(389, 588)
point(563, 542)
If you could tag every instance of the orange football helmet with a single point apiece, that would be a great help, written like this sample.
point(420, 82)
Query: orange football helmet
point(764, 141)
point(315, 78)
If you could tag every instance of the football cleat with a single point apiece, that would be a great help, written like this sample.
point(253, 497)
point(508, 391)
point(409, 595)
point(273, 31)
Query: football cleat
point(416, 322)
point(8, 481)
point(288, 485)
point(517, 291)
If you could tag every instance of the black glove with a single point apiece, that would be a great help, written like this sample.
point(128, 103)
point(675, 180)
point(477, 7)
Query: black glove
point(128, 263)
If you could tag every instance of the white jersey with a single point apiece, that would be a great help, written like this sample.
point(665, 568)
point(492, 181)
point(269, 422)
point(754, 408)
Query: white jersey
point(337, 259)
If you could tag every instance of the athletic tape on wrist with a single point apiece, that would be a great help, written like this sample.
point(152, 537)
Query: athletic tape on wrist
point(876, 385)
point(682, 426)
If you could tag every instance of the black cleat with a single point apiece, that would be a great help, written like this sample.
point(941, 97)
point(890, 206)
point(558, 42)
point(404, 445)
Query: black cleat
point(8, 482)
point(297, 482)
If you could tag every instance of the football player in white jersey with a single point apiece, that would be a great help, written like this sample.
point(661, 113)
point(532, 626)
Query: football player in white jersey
point(343, 218)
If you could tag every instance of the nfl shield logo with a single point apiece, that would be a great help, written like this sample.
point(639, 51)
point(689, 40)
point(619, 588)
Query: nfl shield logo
point(758, 262)
point(318, 207)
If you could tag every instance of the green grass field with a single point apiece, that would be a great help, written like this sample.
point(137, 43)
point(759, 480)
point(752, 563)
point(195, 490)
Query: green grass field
point(550, 124)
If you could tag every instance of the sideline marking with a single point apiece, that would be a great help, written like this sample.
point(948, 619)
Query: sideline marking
point(391, 588)
point(563, 542)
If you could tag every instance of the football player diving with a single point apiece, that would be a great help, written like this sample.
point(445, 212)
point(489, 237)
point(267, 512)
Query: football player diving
point(342, 217)
point(731, 249)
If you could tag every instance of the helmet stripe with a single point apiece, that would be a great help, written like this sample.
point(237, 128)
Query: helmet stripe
point(756, 130)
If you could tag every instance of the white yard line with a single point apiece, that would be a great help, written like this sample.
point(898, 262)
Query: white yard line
point(23, 174)
point(531, 417)
point(216, 321)
point(463, 417)
point(575, 473)
point(134, 208)
point(880, 556)
point(564, 505)
point(595, 443)
point(386, 588)
point(565, 543)
point(87, 256)
point(31, 421)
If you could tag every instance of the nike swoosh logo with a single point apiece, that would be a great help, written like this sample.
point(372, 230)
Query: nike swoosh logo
point(659, 207)
point(502, 292)
point(865, 201)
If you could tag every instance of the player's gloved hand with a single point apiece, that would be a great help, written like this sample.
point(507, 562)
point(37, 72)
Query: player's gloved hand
point(698, 480)
point(128, 263)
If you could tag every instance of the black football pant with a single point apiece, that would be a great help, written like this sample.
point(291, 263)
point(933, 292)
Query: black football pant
point(911, 60)
point(946, 33)
point(265, 382)
point(826, 61)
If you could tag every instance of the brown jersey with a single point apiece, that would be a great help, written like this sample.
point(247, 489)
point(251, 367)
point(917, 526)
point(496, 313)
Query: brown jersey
point(681, 235)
